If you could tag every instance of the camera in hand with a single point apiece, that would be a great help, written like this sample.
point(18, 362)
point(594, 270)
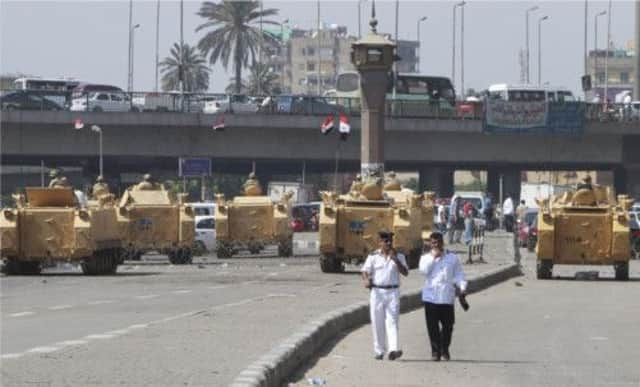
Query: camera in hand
point(463, 302)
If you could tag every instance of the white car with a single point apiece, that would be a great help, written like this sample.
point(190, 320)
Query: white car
point(230, 104)
point(102, 102)
point(205, 234)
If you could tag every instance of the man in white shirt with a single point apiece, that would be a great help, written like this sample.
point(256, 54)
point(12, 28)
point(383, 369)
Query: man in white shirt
point(508, 212)
point(443, 273)
point(381, 273)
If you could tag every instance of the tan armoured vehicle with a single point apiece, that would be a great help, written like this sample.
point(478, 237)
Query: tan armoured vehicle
point(349, 224)
point(584, 227)
point(52, 225)
point(155, 219)
point(252, 221)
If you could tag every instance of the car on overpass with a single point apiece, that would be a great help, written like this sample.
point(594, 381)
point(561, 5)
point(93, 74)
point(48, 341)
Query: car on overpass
point(27, 100)
point(102, 101)
point(305, 104)
point(237, 103)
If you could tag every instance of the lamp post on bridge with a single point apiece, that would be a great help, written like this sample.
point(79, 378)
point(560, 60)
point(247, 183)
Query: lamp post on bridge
point(97, 129)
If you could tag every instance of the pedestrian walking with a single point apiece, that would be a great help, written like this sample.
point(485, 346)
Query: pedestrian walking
point(443, 278)
point(381, 273)
point(521, 210)
point(508, 212)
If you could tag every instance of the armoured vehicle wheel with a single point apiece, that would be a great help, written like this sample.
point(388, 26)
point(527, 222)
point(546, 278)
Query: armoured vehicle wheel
point(101, 263)
point(622, 271)
point(331, 264)
point(21, 268)
point(254, 247)
point(224, 250)
point(544, 268)
point(181, 256)
point(285, 248)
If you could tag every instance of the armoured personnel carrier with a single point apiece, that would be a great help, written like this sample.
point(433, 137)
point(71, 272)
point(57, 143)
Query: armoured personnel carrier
point(51, 225)
point(349, 224)
point(584, 227)
point(155, 219)
point(252, 221)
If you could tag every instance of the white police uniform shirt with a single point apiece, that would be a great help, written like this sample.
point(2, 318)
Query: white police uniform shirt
point(382, 270)
point(384, 304)
point(441, 277)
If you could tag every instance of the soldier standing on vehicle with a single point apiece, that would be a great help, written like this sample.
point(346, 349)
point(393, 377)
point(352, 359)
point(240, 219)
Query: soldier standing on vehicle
point(252, 186)
point(381, 273)
point(100, 187)
point(146, 183)
point(57, 180)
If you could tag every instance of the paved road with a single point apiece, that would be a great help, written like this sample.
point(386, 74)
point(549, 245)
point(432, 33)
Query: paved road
point(525, 332)
point(164, 325)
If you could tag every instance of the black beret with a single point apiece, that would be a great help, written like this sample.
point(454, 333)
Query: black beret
point(385, 234)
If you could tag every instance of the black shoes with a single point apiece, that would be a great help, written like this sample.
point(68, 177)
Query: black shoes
point(393, 355)
point(379, 356)
point(446, 356)
point(435, 357)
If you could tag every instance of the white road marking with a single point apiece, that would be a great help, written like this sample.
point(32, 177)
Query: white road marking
point(21, 314)
point(138, 326)
point(100, 302)
point(68, 343)
point(100, 336)
point(281, 295)
point(59, 307)
point(43, 349)
point(183, 291)
point(7, 356)
point(147, 296)
point(598, 338)
point(217, 287)
point(118, 332)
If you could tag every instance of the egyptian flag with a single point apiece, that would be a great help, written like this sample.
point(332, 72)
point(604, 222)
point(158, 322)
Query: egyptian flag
point(219, 123)
point(78, 124)
point(345, 127)
point(327, 125)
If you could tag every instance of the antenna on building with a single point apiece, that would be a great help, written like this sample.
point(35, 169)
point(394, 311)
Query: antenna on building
point(373, 23)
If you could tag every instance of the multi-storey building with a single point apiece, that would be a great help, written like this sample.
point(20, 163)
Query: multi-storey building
point(620, 69)
point(308, 63)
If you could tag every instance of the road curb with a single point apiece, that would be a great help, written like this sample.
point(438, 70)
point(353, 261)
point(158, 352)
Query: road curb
point(272, 369)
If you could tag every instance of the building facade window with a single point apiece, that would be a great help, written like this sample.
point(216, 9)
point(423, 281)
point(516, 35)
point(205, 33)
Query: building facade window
point(600, 76)
point(624, 77)
point(311, 66)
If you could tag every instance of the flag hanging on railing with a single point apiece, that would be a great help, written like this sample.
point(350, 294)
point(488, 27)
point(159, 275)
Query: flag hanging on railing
point(327, 125)
point(78, 124)
point(345, 127)
point(219, 123)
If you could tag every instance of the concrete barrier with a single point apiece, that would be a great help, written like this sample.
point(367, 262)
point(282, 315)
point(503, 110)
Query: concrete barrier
point(276, 366)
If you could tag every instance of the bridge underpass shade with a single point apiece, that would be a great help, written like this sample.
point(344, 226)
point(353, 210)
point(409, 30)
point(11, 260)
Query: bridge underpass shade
point(511, 183)
point(437, 179)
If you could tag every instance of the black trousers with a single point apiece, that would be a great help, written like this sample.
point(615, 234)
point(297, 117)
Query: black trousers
point(440, 319)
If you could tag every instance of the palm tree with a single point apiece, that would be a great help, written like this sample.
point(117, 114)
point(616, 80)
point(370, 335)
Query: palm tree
point(195, 74)
point(234, 33)
point(262, 80)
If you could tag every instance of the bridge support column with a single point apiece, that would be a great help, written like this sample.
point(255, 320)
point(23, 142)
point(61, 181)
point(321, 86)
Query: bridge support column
point(510, 183)
point(620, 180)
point(436, 179)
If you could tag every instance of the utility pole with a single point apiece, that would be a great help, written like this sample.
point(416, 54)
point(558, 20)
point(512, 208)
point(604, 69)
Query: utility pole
point(636, 85)
point(129, 50)
point(318, 53)
point(181, 71)
point(157, 41)
point(586, 13)
point(606, 59)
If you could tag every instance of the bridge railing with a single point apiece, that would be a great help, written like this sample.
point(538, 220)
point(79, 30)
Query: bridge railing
point(215, 103)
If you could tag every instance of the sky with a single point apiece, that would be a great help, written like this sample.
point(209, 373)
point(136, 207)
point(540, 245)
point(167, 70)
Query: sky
point(88, 40)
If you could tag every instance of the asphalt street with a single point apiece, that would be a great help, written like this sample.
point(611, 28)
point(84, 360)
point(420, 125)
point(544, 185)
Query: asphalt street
point(158, 324)
point(579, 329)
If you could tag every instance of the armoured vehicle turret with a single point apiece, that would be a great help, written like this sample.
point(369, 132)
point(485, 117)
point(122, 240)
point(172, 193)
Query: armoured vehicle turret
point(349, 224)
point(155, 219)
point(252, 221)
point(52, 225)
point(584, 227)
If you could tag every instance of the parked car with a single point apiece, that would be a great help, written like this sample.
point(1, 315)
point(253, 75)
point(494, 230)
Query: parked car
point(205, 234)
point(27, 100)
point(304, 104)
point(237, 103)
point(524, 228)
point(102, 101)
point(634, 230)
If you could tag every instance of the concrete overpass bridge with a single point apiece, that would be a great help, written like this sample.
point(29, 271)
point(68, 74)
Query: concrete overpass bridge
point(280, 144)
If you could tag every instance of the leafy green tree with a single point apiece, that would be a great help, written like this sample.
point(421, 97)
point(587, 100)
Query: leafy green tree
point(234, 33)
point(195, 74)
point(262, 80)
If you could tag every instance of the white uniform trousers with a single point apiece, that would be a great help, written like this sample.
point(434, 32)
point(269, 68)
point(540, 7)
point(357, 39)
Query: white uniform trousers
point(385, 310)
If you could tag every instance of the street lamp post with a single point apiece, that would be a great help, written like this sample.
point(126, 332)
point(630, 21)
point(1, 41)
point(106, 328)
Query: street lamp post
point(129, 49)
point(462, 92)
point(453, 44)
point(97, 129)
point(318, 49)
point(606, 59)
point(540, 47)
point(395, 62)
point(534, 8)
point(157, 42)
point(595, 45)
point(133, 29)
point(418, 25)
point(282, 54)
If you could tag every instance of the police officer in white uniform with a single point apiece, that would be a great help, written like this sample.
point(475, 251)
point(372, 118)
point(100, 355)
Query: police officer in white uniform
point(381, 273)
